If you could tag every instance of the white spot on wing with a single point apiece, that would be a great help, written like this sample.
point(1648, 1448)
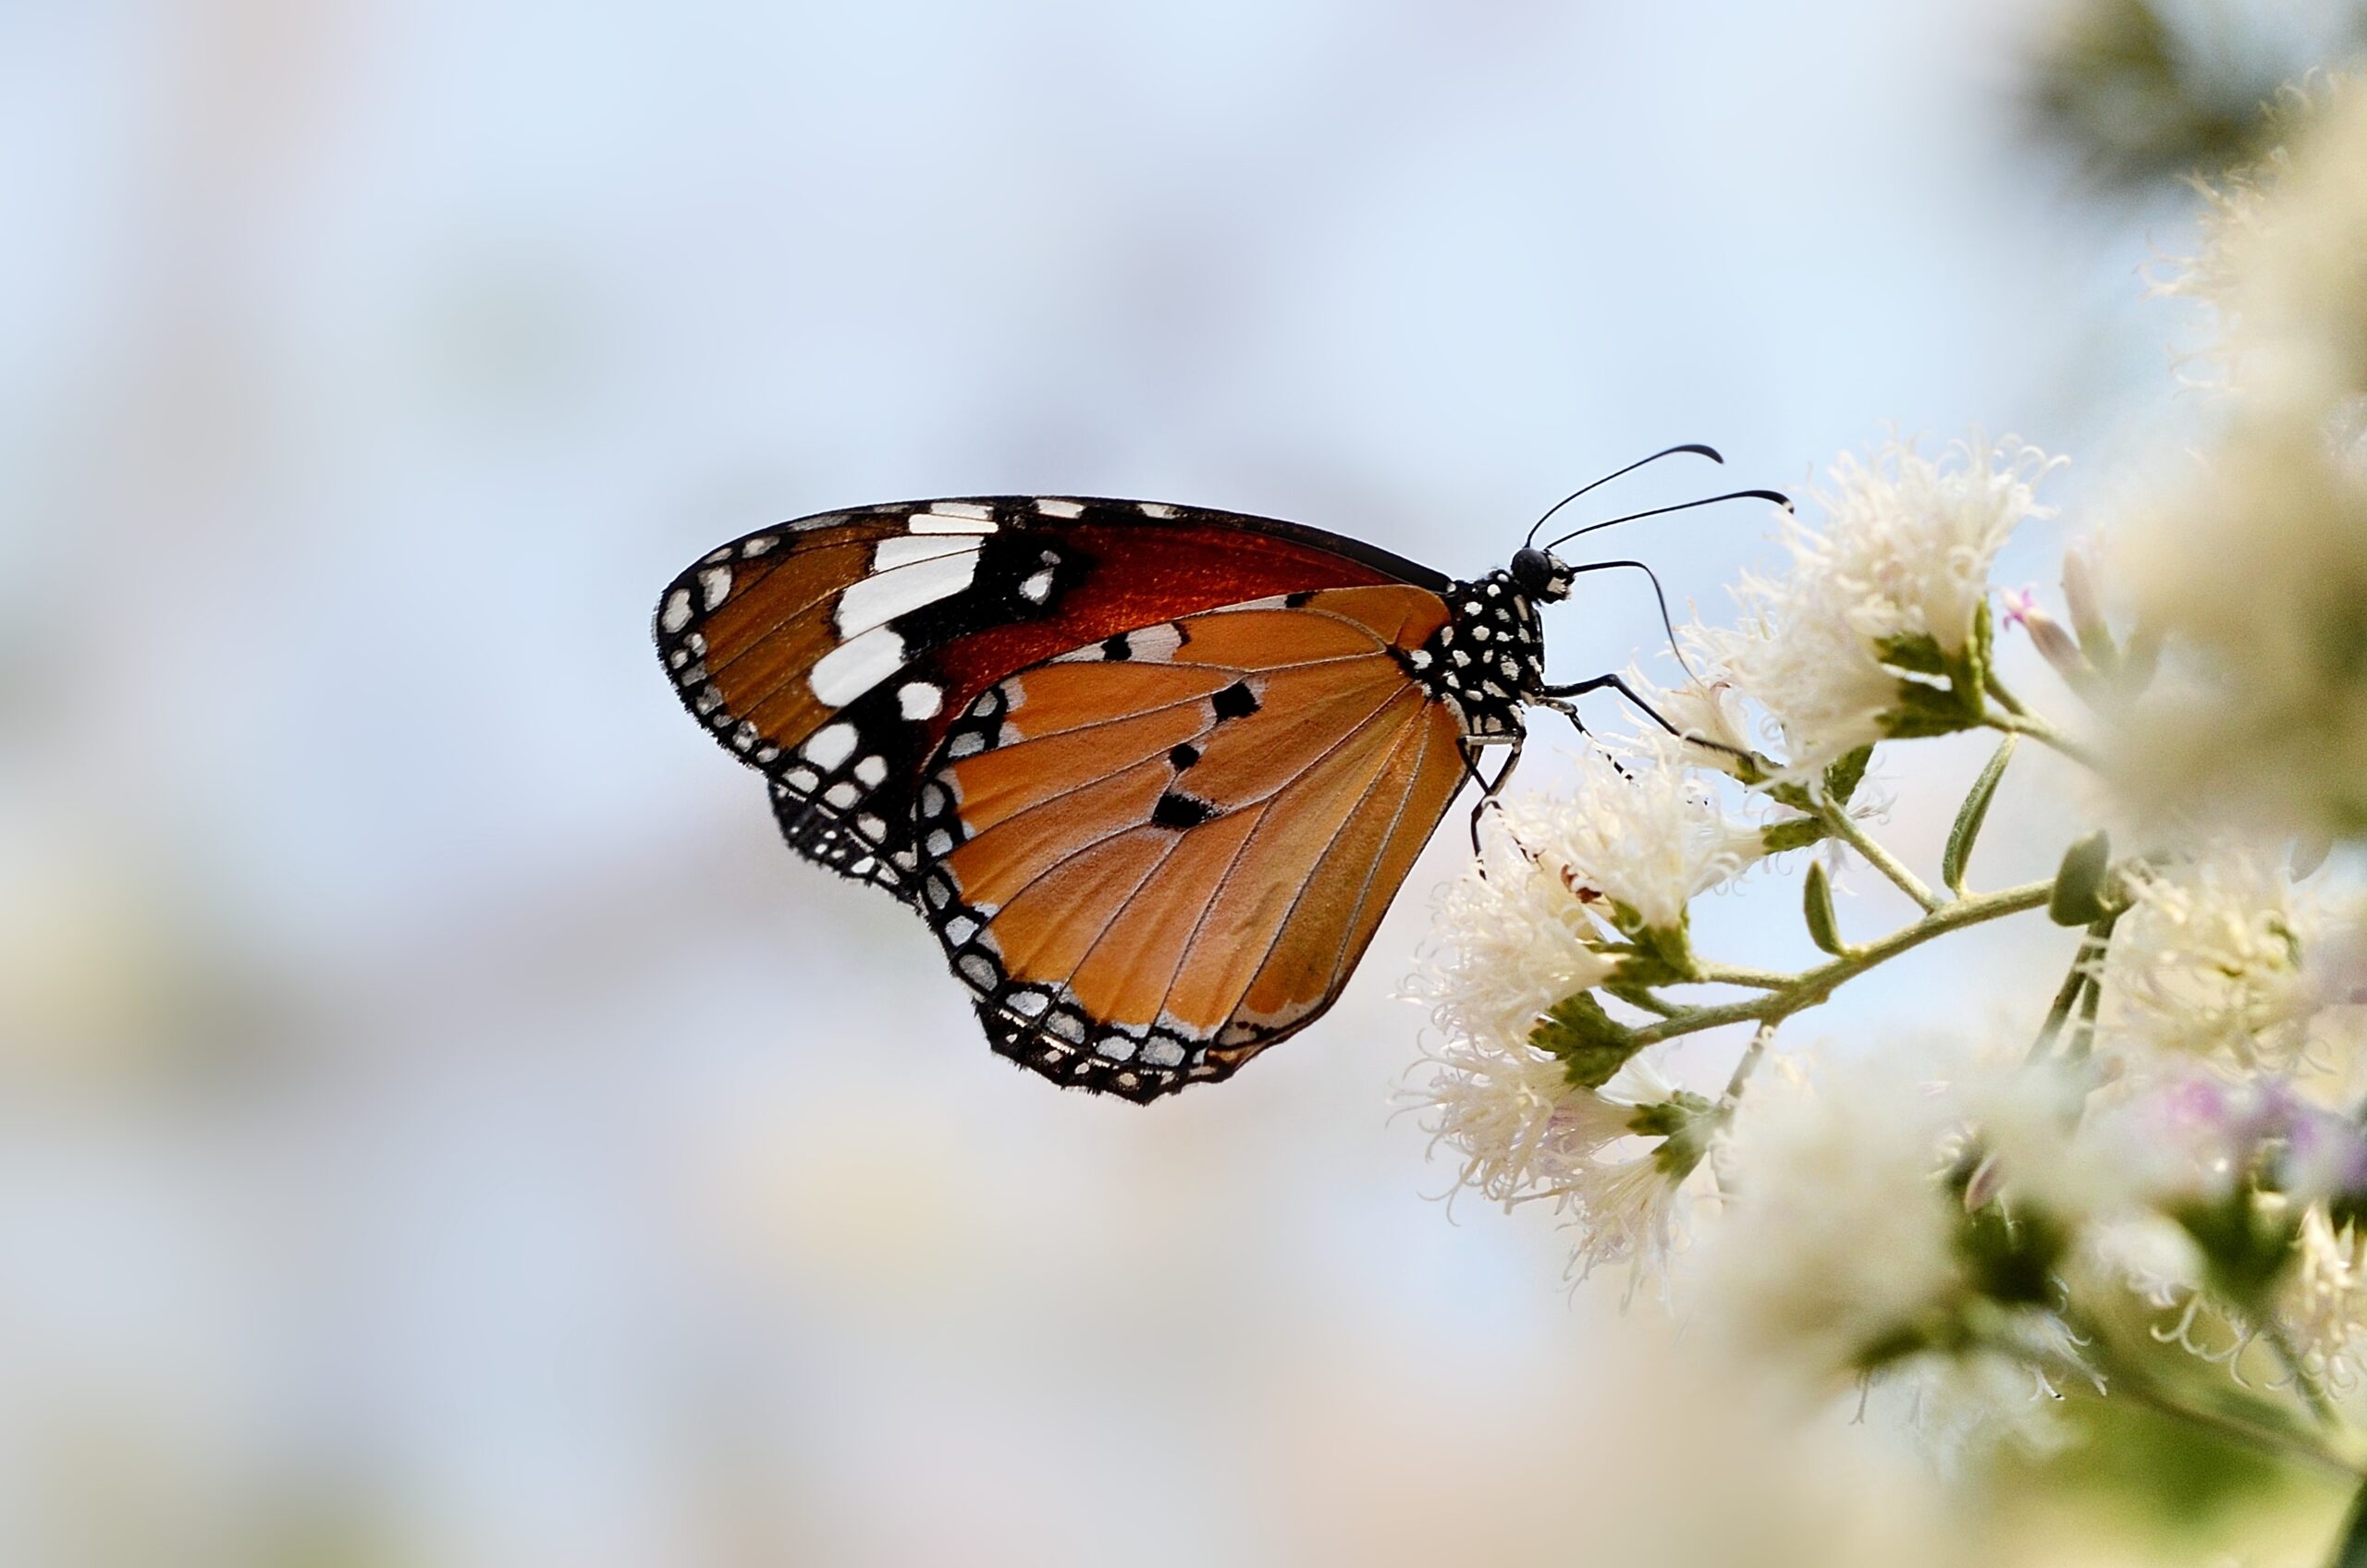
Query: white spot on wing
point(953, 516)
point(677, 610)
point(880, 599)
point(870, 771)
point(903, 550)
point(828, 747)
point(1156, 644)
point(1052, 508)
point(1156, 509)
point(919, 699)
point(841, 794)
point(1039, 587)
point(714, 586)
point(854, 666)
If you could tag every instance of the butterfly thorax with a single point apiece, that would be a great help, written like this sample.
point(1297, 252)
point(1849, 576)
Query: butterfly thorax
point(1487, 661)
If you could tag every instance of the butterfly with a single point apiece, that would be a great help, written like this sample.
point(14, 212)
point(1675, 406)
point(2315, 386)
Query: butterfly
point(1151, 772)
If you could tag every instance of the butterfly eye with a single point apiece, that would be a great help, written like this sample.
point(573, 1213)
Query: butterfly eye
point(1539, 576)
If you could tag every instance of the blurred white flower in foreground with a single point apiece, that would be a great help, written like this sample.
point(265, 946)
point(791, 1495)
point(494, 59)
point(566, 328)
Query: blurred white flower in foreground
point(2283, 263)
point(2322, 1304)
point(1863, 1242)
point(2250, 564)
point(1870, 632)
point(2215, 958)
point(1840, 1241)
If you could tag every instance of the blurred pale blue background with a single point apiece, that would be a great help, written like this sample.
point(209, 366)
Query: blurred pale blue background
point(439, 1123)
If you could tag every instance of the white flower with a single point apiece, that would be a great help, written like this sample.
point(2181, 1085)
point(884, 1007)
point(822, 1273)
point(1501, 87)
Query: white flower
point(1841, 1238)
point(2024, 1128)
point(2259, 709)
point(2213, 958)
point(1509, 940)
point(2148, 1255)
point(1701, 708)
point(2322, 1303)
point(2249, 563)
point(1956, 1402)
point(1509, 1112)
point(1523, 1132)
point(1901, 561)
point(1844, 1254)
point(2283, 257)
point(1561, 878)
point(1646, 834)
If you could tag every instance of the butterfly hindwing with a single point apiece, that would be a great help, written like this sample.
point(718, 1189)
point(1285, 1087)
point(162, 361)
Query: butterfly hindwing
point(1153, 856)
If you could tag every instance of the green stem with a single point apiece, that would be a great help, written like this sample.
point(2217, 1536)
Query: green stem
point(2081, 988)
point(1811, 986)
point(1845, 828)
point(1734, 975)
point(2074, 982)
point(2092, 948)
point(2045, 734)
point(1750, 1055)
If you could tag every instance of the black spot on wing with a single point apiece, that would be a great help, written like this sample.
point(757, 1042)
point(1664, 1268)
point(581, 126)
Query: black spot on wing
point(1178, 810)
point(1237, 701)
point(1184, 756)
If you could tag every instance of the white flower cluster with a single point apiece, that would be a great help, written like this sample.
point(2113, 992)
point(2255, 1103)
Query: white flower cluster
point(2222, 954)
point(1570, 893)
point(1881, 607)
point(2179, 1142)
point(2262, 704)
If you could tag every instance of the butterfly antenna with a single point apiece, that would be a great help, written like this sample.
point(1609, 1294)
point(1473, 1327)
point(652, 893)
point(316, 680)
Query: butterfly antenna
point(1775, 495)
point(1667, 624)
point(1693, 447)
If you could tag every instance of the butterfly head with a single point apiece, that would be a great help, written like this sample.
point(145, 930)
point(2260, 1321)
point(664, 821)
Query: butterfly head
point(1542, 575)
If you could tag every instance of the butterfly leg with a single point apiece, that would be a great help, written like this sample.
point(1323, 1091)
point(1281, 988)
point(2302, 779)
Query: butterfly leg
point(1489, 790)
point(1616, 684)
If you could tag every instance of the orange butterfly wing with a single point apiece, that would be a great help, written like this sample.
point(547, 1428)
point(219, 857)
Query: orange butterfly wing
point(1157, 855)
point(832, 653)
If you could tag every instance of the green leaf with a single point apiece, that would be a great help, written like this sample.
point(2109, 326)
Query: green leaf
point(1971, 672)
point(1917, 653)
point(2083, 882)
point(1816, 901)
point(1925, 710)
point(1970, 816)
point(1665, 1118)
point(1653, 955)
point(1777, 836)
point(1591, 1044)
point(1841, 779)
